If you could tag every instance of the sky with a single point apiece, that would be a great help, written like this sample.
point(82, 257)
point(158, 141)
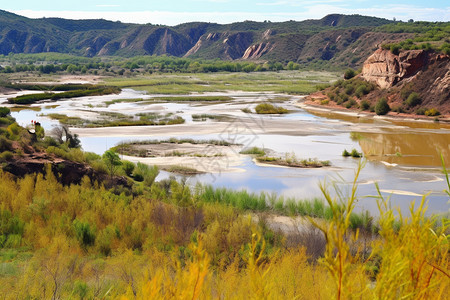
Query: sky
point(173, 12)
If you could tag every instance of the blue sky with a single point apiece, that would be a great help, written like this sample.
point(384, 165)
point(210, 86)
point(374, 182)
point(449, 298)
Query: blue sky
point(172, 12)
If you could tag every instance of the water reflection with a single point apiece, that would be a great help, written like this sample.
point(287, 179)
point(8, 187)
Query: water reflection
point(410, 149)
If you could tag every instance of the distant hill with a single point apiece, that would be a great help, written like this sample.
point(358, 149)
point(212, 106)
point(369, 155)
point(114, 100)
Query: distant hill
point(336, 39)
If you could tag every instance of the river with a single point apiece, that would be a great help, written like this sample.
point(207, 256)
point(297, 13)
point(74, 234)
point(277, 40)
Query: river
point(402, 157)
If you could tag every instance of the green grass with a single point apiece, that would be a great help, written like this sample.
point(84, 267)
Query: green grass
point(19, 108)
point(290, 82)
point(93, 91)
point(66, 120)
point(243, 200)
point(204, 117)
point(290, 160)
point(183, 170)
point(108, 103)
point(254, 151)
point(267, 108)
point(110, 119)
point(195, 98)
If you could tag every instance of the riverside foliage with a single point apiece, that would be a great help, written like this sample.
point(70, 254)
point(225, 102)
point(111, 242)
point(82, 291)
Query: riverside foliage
point(167, 240)
point(161, 240)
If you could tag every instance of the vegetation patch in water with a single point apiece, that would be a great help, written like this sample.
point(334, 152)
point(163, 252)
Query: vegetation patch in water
point(254, 151)
point(290, 160)
point(183, 170)
point(268, 108)
point(110, 119)
point(92, 91)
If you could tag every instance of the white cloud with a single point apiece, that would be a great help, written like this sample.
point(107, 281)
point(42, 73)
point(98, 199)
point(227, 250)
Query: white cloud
point(400, 12)
point(298, 3)
point(107, 5)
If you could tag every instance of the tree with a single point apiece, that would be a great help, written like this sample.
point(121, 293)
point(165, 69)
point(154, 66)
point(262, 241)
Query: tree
point(60, 132)
point(112, 161)
point(382, 107)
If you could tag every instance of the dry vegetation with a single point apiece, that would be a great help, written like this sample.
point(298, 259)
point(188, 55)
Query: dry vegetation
point(161, 241)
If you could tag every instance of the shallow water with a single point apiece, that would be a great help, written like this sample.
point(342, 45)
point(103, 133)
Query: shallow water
point(402, 157)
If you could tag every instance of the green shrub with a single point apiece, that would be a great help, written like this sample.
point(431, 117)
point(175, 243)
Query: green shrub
point(332, 96)
point(413, 99)
point(349, 89)
point(128, 167)
point(349, 74)
point(4, 111)
point(355, 153)
point(405, 93)
point(5, 144)
point(395, 49)
point(382, 107)
point(421, 110)
point(6, 155)
point(84, 233)
point(350, 103)
point(365, 105)
point(363, 89)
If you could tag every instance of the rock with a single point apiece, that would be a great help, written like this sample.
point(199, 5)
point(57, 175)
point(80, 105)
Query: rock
point(66, 171)
point(387, 69)
point(256, 51)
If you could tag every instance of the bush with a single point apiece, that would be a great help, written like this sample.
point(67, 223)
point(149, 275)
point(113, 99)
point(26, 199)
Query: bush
point(413, 99)
point(421, 111)
point(4, 111)
point(432, 112)
point(349, 74)
point(353, 153)
point(382, 107)
point(84, 233)
point(349, 89)
point(405, 94)
point(5, 144)
point(6, 155)
point(395, 49)
point(128, 167)
point(350, 103)
point(365, 105)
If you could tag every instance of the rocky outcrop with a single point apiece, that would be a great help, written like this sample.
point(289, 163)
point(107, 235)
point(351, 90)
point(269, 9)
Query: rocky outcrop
point(387, 69)
point(256, 51)
point(66, 171)
point(223, 45)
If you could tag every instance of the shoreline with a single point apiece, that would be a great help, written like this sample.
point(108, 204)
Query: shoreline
point(311, 105)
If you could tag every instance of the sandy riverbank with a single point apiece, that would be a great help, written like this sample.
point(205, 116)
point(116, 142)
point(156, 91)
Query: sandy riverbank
point(339, 110)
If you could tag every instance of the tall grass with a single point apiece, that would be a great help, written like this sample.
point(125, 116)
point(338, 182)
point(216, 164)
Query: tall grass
point(260, 202)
